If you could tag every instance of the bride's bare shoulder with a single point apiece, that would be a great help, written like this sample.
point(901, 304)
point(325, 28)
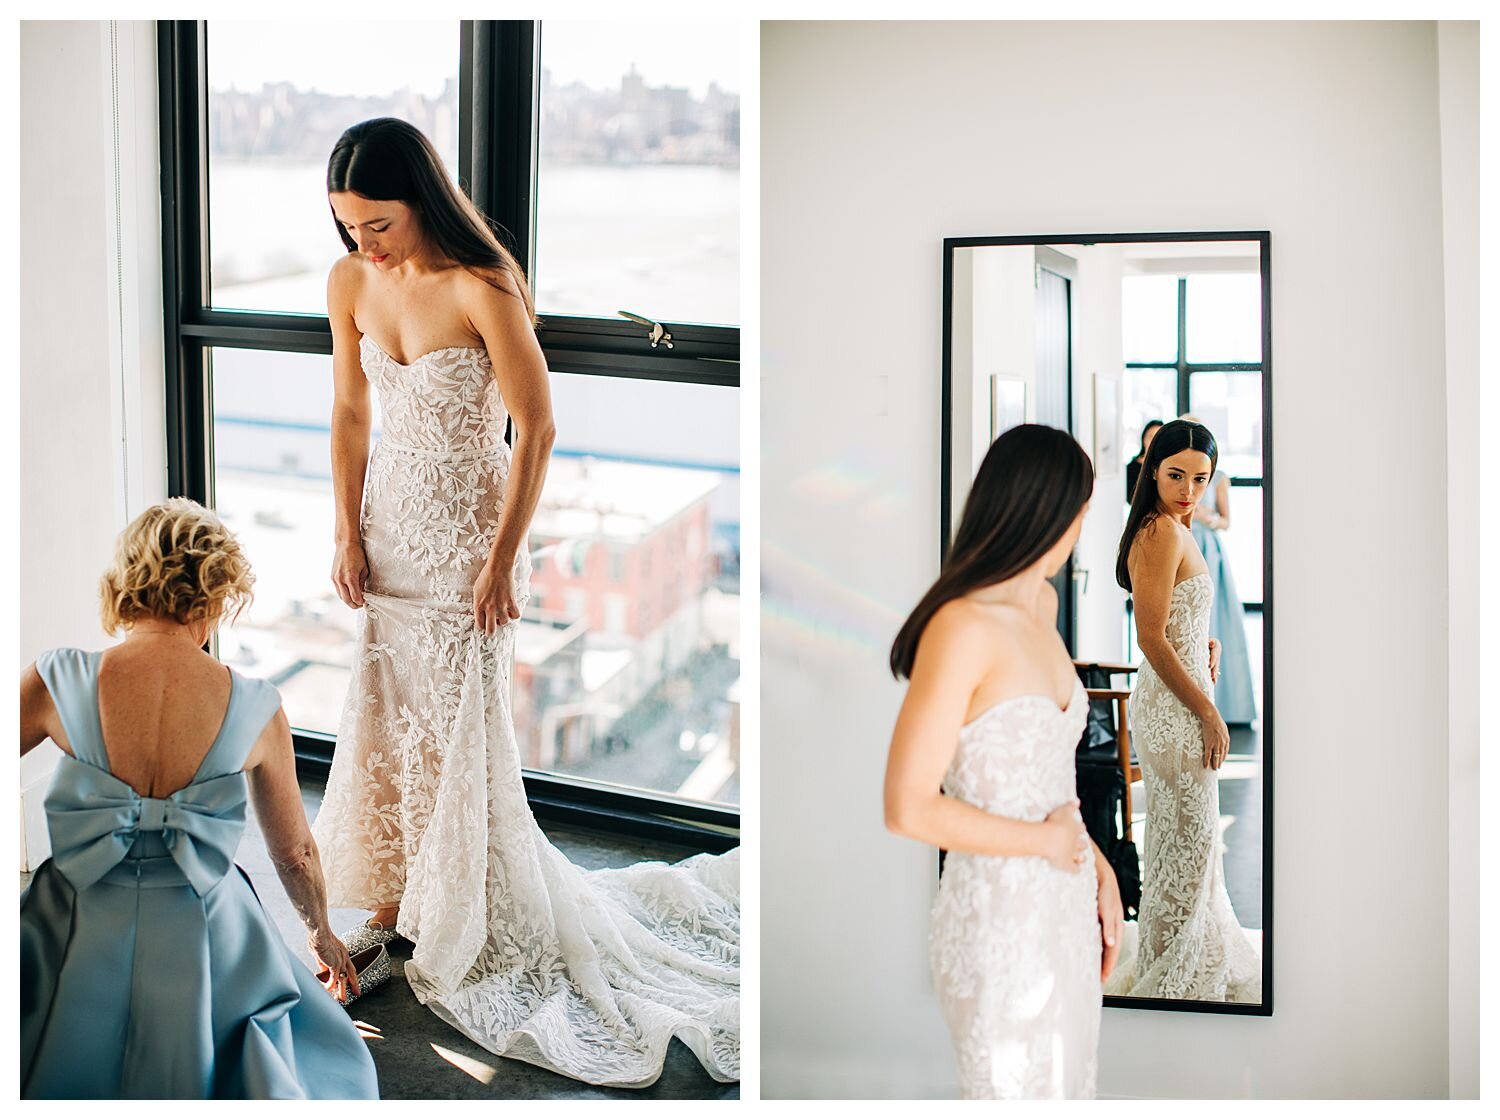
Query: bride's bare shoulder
point(483, 290)
point(345, 279)
point(967, 621)
point(1160, 535)
point(348, 269)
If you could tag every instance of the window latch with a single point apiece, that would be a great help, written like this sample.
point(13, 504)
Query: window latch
point(658, 335)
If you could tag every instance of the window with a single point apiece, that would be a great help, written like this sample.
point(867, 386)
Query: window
point(638, 170)
point(278, 97)
point(1192, 344)
point(645, 475)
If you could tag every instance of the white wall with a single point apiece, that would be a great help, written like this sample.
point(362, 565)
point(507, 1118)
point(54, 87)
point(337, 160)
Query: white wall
point(93, 432)
point(1458, 57)
point(878, 141)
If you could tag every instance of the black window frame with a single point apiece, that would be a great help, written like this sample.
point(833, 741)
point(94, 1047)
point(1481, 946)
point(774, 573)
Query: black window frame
point(1185, 370)
point(498, 94)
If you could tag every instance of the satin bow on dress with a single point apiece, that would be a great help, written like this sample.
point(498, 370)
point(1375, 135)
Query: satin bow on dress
point(96, 820)
point(149, 968)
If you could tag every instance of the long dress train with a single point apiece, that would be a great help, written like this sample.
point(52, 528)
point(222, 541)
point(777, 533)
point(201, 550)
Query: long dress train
point(1015, 942)
point(149, 968)
point(589, 974)
point(1187, 943)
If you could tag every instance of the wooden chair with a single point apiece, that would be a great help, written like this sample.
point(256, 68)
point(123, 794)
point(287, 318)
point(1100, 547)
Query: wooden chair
point(1129, 768)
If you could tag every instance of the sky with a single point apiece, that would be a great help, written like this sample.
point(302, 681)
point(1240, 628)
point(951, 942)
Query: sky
point(369, 57)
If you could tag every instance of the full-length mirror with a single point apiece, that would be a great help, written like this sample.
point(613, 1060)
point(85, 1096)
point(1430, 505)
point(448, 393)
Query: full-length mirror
point(1153, 350)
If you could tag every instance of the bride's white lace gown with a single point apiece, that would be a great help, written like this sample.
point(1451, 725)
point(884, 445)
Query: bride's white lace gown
point(1015, 942)
point(1187, 943)
point(589, 974)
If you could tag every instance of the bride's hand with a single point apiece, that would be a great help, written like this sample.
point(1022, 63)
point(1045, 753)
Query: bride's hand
point(331, 954)
point(1215, 651)
point(495, 597)
point(1066, 846)
point(1111, 917)
point(350, 571)
point(1215, 741)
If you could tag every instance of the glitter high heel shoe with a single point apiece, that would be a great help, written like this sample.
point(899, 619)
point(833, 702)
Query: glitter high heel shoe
point(369, 933)
point(373, 967)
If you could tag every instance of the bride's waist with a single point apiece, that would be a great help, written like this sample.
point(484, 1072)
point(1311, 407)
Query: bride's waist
point(1196, 665)
point(392, 445)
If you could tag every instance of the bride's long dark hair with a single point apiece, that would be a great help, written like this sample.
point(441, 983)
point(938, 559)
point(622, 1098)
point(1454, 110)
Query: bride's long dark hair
point(1175, 436)
point(386, 159)
point(1029, 489)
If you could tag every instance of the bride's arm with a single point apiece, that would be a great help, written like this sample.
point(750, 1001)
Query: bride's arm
point(350, 438)
point(950, 663)
point(499, 315)
point(1154, 559)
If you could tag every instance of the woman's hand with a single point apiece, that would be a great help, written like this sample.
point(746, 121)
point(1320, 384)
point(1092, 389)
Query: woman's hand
point(495, 596)
point(1215, 740)
point(1111, 915)
point(1067, 845)
point(1215, 650)
point(350, 571)
point(331, 954)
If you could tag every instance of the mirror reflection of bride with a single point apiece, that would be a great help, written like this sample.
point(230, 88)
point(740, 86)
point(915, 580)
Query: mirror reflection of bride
point(1187, 944)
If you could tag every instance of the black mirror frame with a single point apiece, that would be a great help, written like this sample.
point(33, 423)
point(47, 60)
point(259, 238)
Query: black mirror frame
point(945, 528)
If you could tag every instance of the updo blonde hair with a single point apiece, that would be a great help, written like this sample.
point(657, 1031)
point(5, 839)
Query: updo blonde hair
point(176, 561)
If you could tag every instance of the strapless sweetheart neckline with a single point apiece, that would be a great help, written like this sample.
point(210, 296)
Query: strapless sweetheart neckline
point(1051, 703)
point(420, 357)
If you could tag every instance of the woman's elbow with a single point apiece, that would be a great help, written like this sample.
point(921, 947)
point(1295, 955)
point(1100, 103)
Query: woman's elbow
point(541, 432)
point(351, 418)
point(898, 817)
point(1154, 647)
point(294, 858)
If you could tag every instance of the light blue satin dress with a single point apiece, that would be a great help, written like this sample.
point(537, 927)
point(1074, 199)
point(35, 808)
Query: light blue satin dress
point(149, 968)
point(1234, 692)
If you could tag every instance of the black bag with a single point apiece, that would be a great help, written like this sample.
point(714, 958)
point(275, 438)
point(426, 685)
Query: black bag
point(1127, 867)
point(1101, 793)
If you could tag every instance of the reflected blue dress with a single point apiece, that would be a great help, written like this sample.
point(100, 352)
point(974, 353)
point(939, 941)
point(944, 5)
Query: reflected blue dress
point(1234, 692)
point(149, 968)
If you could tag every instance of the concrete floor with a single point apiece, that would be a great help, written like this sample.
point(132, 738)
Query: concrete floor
point(417, 1055)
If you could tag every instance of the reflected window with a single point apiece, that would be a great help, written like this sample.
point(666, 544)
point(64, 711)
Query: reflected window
point(1214, 321)
point(1150, 394)
point(1148, 314)
point(1243, 540)
point(1229, 403)
point(1223, 317)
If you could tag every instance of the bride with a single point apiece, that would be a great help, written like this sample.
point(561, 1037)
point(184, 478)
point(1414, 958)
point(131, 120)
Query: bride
point(425, 819)
point(1187, 943)
point(1027, 917)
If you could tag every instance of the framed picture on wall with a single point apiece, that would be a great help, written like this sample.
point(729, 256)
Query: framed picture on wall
point(1107, 425)
point(1007, 403)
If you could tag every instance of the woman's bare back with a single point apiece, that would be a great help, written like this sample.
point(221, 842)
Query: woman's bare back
point(161, 705)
